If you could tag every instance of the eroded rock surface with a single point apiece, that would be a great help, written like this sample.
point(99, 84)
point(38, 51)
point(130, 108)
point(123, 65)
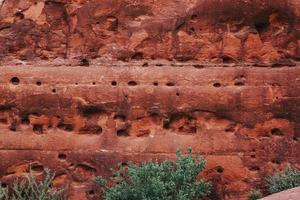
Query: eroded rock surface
point(263, 32)
point(88, 84)
point(82, 121)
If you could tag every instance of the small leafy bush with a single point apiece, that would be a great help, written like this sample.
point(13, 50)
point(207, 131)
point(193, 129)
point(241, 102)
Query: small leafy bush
point(31, 189)
point(154, 181)
point(254, 195)
point(289, 178)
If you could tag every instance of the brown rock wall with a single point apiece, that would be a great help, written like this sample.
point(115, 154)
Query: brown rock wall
point(87, 84)
point(204, 30)
point(81, 121)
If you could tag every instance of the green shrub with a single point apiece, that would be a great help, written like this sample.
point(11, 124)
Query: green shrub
point(153, 181)
point(31, 189)
point(289, 178)
point(254, 195)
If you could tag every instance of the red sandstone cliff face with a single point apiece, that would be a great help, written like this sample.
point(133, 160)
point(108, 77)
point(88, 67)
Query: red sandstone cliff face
point(216, 93)
point(263, 32)
point(81, 121)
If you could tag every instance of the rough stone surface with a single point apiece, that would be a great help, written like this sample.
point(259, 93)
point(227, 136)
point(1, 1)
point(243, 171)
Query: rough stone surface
point(80, 121)
point(265, 32)
point(292, 194)
point(87, 84)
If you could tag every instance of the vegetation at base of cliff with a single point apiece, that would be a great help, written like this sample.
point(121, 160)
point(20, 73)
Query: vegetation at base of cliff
point(170, 180)
point(287, 179)
point(28, 188)
point(254, 195)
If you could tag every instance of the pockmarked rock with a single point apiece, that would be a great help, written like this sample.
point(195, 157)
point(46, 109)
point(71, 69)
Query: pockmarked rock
point(86, 85)
point(264, 32)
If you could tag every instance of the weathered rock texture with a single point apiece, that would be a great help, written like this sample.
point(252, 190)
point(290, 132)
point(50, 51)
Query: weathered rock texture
point(259, 31)
point(81, 121)
point(292, 194)
point(240, 113)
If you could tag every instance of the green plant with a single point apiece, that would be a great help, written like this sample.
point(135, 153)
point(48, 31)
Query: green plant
point(254, 195)
point(159, 181)
point(289, 178)
point(29, 188)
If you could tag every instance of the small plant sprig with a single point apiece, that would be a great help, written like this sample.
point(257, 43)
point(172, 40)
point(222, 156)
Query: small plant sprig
point(28, 188)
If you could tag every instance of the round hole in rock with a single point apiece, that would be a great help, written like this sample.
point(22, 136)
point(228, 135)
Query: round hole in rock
point(220, 169)
point(122, 133)
point(191, 31)
point(132, 83)
point(38, 83)
point(91, 192)
point(217, 85)
point(53, 90)
point(254, 168)
point(94, 83)
point(170, 84)
point(137, 56)
point(4, 121)
point(229, 129)
point(166, 123)
point(15, 80)
point(13, 127)
point(114, 83)
point(19, 14)
point(69, 128)
point(239, 83)
point(25, 119)
point(145, 64)
point(98, 130)
point(276, 132)
point(262, 23)
point(85, 62)
point(76, 83)
point(177, 94)
point(37, 168)
point(227, 59)
point(276, 161)
point(38, 128)
point(275, 84)
point(155, 83)
point(66, 127)
point(62, 156)
point(197, 66)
